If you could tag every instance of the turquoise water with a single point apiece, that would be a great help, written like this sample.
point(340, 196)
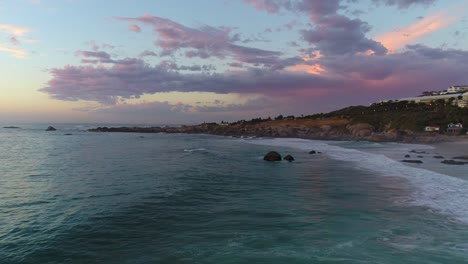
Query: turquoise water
point(158, 198)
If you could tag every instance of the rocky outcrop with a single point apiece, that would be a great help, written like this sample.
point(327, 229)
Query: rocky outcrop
point(412, 161)
point(454, 162)
point(51, 128)
point(360, 130)
point(319, 129)
point(288, 158)
point(272, 156)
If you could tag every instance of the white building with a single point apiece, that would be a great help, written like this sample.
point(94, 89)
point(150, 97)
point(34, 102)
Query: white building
point(432, 128)
point(462, 103)
point(458, 89)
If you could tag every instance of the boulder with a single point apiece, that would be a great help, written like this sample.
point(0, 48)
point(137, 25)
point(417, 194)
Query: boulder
point(412, 161)
point(272, 156)
point(454, 162)
point(288, 158)
point(51, 128)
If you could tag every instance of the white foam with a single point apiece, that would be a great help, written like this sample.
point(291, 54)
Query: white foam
point(445, 194)
point(196, 149)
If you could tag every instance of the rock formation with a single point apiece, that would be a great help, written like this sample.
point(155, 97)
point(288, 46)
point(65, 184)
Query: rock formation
point(412, 161)
point(272, 156)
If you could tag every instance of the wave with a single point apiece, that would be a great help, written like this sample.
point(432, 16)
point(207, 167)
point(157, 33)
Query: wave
point(443, 193)
point(195, 149)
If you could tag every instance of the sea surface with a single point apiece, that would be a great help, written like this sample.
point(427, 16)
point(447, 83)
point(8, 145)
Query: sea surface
point(174, 198)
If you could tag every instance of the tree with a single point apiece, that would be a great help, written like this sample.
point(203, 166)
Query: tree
point(280, 117)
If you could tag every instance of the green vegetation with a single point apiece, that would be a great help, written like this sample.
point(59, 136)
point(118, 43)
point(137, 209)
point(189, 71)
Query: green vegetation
point(392, 114)
point(403, 115)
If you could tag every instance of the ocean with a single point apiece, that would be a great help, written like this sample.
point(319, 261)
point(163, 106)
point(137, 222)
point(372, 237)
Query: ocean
point(177, 198)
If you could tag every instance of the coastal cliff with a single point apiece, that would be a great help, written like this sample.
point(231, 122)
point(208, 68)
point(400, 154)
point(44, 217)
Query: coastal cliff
point(327, 129)
point(390, 121)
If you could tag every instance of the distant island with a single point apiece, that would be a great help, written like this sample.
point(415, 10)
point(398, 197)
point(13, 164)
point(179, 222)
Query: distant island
point(399, 120)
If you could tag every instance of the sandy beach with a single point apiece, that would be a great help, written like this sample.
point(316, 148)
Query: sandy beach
point(456, 148)
point(438, 152)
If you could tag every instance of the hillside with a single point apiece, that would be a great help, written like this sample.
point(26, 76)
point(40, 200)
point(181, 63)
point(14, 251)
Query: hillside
point(390, 121)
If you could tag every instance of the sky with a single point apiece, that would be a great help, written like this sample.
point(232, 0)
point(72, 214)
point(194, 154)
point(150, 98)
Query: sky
point(187, 62)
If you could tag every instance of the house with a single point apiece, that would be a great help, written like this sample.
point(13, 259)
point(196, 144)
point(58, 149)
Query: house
point(432, 128)
point(458, 89)
point(462, 103)
point(454, 128)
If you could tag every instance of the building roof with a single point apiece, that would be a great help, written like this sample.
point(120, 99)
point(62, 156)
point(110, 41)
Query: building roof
point(434, 97)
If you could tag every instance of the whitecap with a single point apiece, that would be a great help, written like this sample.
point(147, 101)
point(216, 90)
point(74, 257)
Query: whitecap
point(443, 193)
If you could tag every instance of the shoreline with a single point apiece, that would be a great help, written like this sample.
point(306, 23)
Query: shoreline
point(358, 132)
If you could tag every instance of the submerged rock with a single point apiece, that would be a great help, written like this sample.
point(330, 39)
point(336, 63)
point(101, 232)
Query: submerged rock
point(438, 157)
point(11, 127)
point(68, 134)
point(462, 157)
point(272, 156)
point(312, 152)
point(51, 128)
point(407, 156)
point(412, 161)
point(454, 162)
point(288, 158)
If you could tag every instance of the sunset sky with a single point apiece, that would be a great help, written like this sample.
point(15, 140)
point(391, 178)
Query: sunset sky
point(179, 61)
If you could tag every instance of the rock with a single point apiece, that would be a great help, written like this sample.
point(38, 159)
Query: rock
point(11, 127)
point(412, 161)
point(67, 134)
point(312, 152)
point(272, 156)
point(407, 156)
point(438, 157)
point(51, 128)
point(420, 157)
point(360, 130)
point(461, 157)
point(288, 158)
point(454, 162)
point(326, 128)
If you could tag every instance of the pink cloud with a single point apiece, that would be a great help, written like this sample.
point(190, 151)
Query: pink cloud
point(134, 28)
point(207, 41)
point(14, 30)
point(15, 52)
point(270, 6)
point(398, 39)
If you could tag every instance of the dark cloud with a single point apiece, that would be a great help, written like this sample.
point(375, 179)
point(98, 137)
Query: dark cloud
point(333, 33)
point(206, 42)
point(131, 80)
point(337, 35)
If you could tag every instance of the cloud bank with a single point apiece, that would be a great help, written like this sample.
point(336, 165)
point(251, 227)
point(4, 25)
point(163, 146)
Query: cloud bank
point(348, 63)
